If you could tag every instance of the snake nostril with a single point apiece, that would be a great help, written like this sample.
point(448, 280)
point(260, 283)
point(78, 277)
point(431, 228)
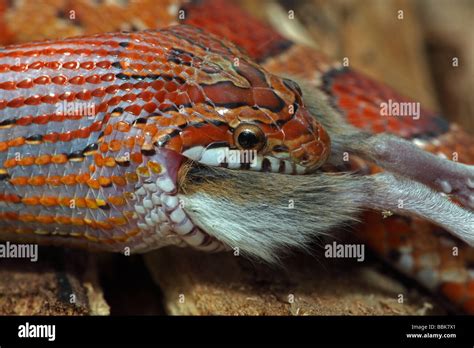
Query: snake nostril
point(304, 158)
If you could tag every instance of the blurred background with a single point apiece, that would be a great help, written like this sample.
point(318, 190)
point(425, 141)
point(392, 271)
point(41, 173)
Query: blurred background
point(412, 50)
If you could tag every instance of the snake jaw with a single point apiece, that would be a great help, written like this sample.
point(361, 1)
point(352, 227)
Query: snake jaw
point(244, 159)
point(160, 215)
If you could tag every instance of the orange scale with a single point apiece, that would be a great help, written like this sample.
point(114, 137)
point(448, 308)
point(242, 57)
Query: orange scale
point(15, 103)
point(129, 142)
point(104, 181)
point(90, 237)
point(104, 64)
point(146, 96)
point(158, 85)
point(178, 70)
point(139, 140)
point(134, 109)
point(115, 145)
point(65, 137)
point(160, 96)
point(118, 220)
point(69, 179)
point(104, 147)
point(129, 97)
point(102, 107)
point(39, 180)
point(109, 162)
point(131, 177)
point(104, 225)
point(63, 220)
point(142, 85)
point(9, 163)
point(27, 218)
point(24, 121)
point(19, 141)
point(45, 219)
point(171, 86)
point(91, 203)
point(108, 77)
point(54, 180)
point(113, 101)
point(19, 67)
point(36, 65)
point(49, 99)
point(99, 160)
point(58, 117)
point(30, 200)
point(48, 201)
point(133, 232)
point(13, 198)
point(9, 85)
point(119, 180)
point(77, 221)
point(123, 126)
point(171, 96)
point(87, 65)
point(84, 95)
point(66, 201)
point(121, 239)
point(77, 80)
point(112, 89)
point(52, 65)
point(116, 200)
point(93, 183)
point(51, 137)
point(82, 178)
point(27, 161)
point(136, 157)
point(150, 107)
point(19, 181)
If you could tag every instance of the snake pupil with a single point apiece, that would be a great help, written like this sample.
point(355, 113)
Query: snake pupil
point(247, 139)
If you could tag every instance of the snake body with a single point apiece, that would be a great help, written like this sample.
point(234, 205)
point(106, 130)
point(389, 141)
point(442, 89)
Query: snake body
point(108, 179)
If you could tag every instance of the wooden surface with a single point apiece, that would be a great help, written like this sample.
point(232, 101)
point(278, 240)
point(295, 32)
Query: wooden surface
point(59, 283)
point(194, 283)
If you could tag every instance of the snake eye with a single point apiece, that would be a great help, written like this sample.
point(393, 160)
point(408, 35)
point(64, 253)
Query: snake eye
point(249, 137)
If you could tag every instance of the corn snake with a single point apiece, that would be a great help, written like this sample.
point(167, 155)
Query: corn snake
point(393, 239)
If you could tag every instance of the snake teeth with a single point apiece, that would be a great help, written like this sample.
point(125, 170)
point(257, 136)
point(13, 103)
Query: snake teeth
point(194, 152)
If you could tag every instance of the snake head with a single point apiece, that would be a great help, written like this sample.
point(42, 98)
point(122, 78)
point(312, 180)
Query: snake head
point(278, 130)
point(236, 114)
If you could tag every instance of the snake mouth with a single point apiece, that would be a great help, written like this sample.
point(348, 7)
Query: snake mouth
point(244, 159)
point(160, 214)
